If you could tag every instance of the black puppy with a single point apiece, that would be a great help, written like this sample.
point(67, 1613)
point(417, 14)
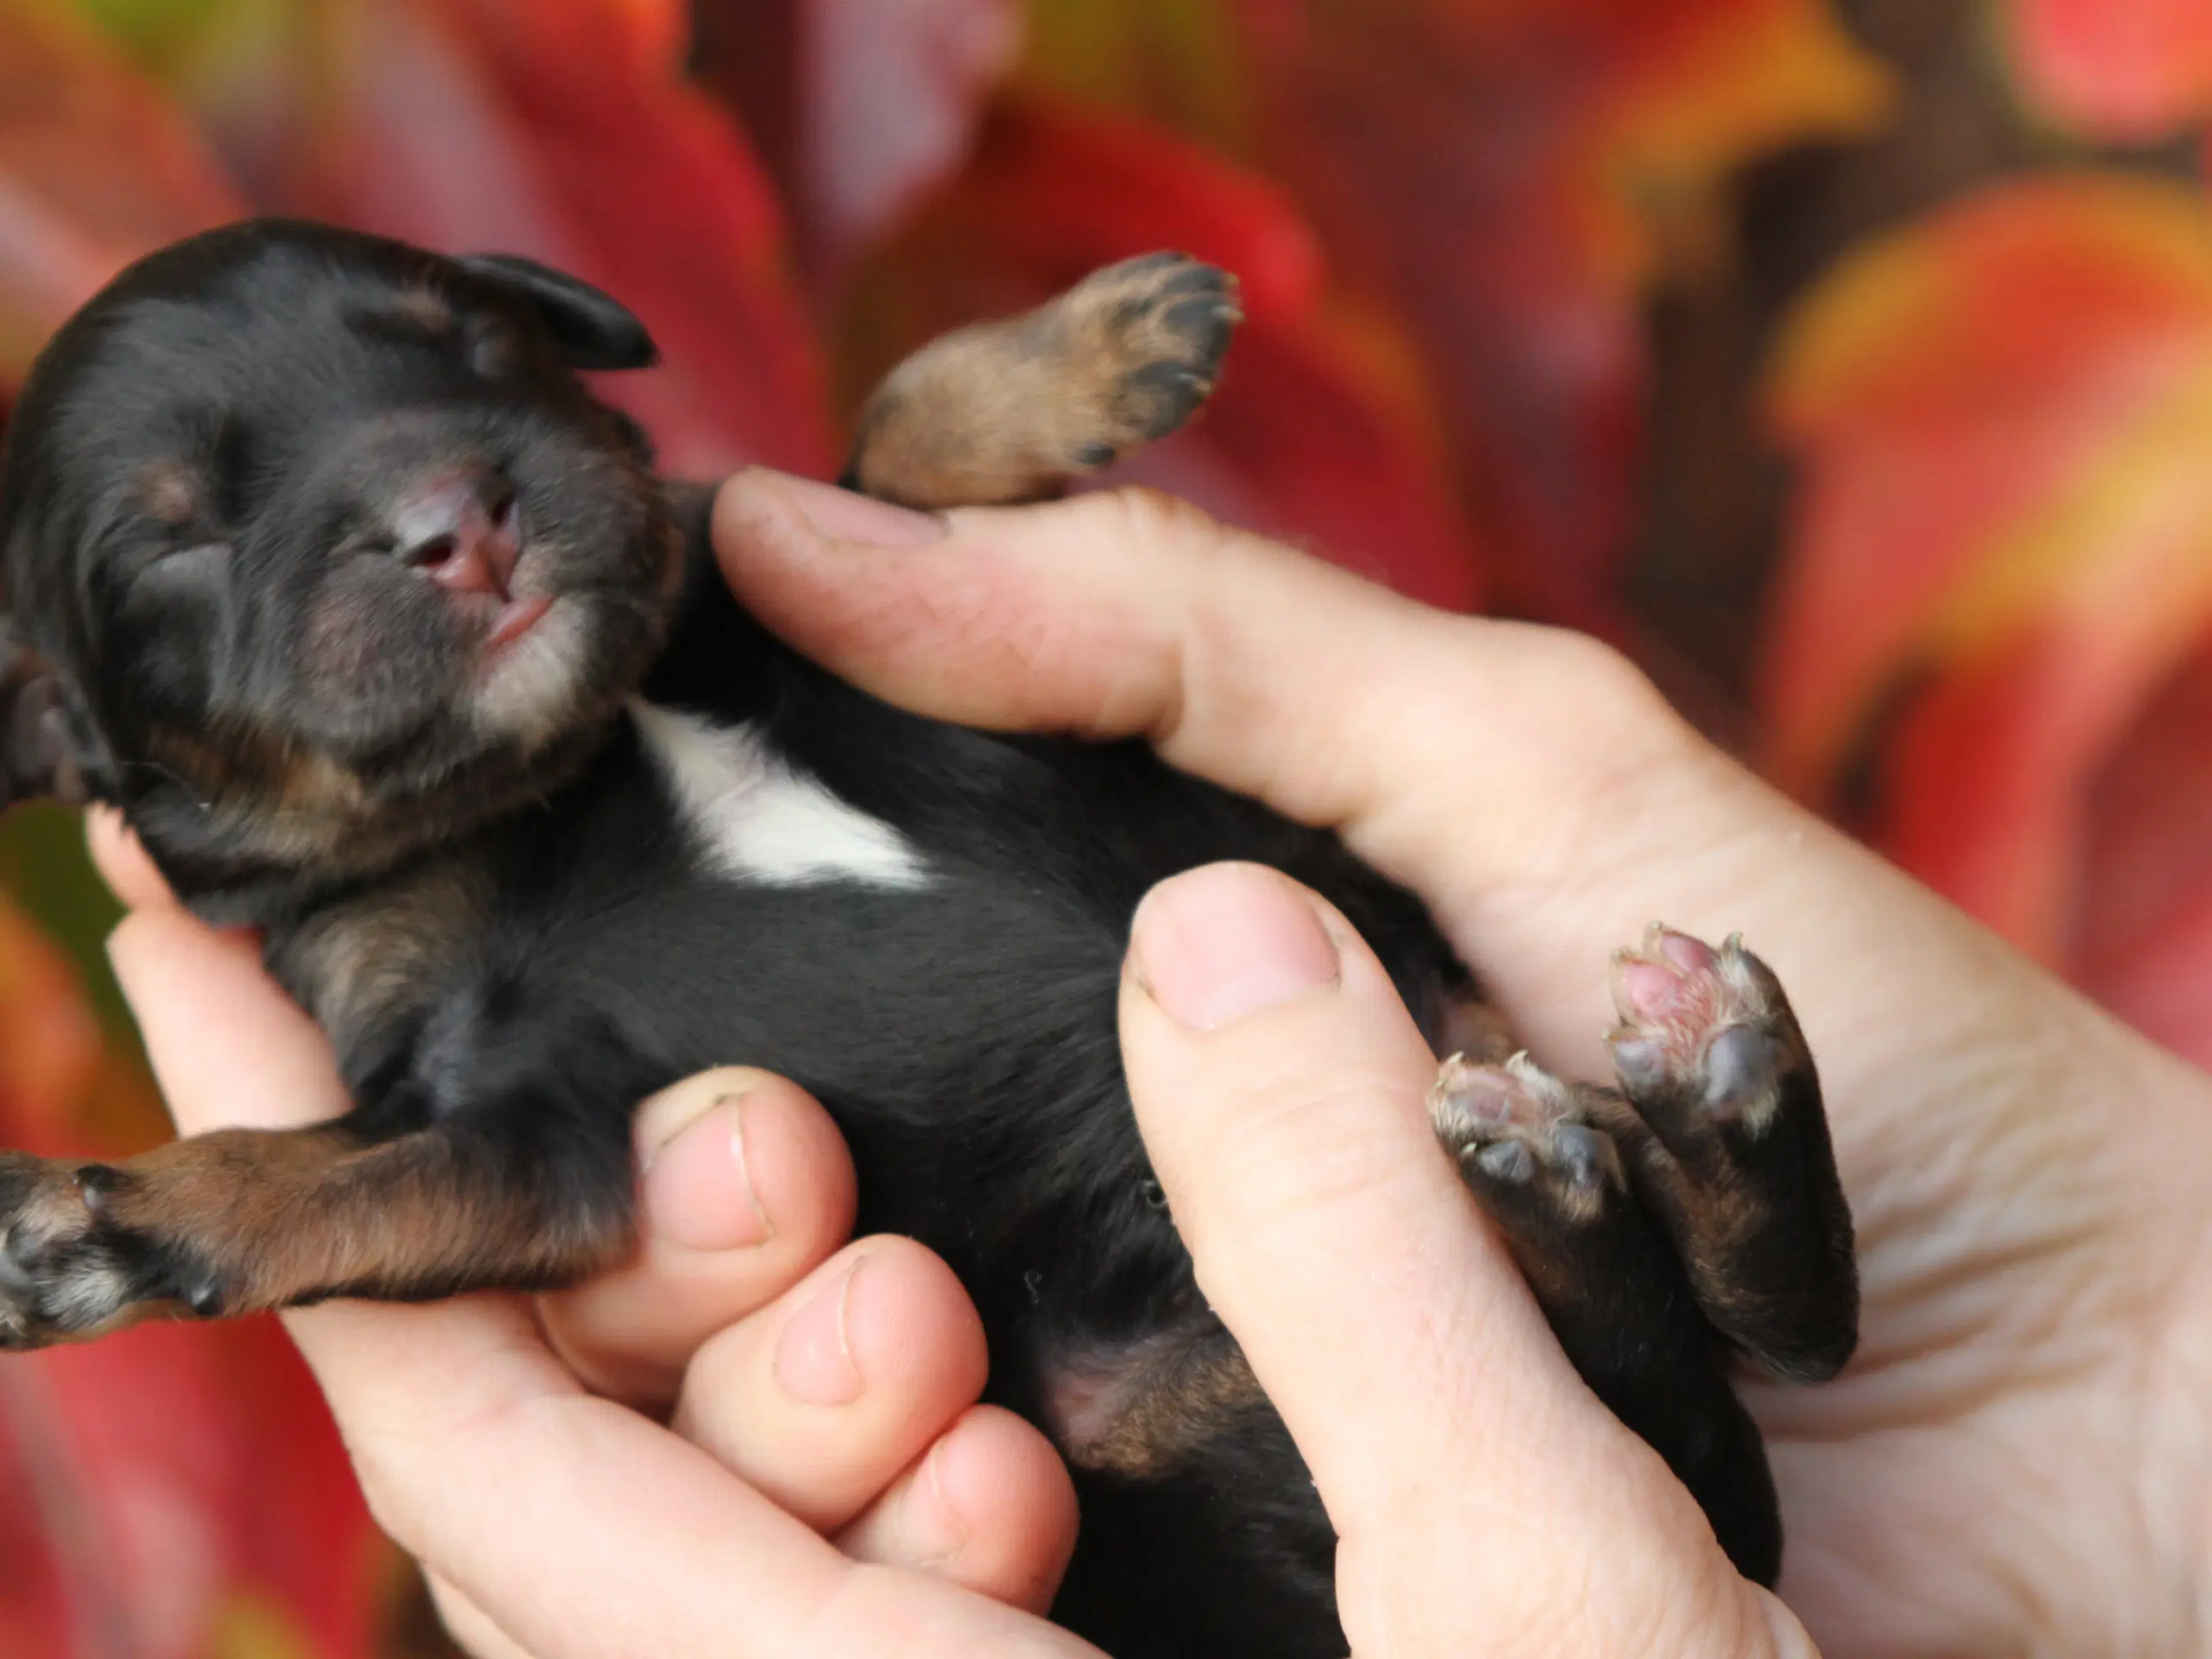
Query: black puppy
point(324, 567)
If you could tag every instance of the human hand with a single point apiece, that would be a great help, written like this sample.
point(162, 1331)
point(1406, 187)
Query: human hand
point(2016, 1460)
point(827, 1482)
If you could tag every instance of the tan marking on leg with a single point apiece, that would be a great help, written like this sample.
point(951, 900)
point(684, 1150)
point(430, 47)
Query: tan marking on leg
point(251, 1220)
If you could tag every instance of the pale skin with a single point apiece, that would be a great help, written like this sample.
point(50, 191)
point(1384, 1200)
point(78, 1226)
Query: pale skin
point(2019, 1459)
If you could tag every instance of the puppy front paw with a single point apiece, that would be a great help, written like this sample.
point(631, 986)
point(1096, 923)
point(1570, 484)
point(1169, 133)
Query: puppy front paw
point(1012, 411)
point(66, 1271)
point(1158, 326)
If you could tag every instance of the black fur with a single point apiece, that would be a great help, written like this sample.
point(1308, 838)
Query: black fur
point(189, 663)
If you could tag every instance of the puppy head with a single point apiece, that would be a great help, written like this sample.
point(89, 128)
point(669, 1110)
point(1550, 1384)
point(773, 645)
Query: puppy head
point(317, 549)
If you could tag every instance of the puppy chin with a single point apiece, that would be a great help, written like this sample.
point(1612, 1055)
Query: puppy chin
point(533, 690)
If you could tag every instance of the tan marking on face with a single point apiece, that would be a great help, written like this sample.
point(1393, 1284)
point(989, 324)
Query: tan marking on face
point(172, 492)
point(427, 309)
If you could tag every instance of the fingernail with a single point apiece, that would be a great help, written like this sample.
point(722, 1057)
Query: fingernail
point(935, 1530)
point(814, 1362)
point(845, 517)
point(698, 1184)
point(1218, 943)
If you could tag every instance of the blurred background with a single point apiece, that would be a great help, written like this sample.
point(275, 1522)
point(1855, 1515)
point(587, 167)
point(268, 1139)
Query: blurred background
point(1849, 362)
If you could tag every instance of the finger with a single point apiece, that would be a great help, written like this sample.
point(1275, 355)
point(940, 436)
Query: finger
point(989, 1506)
point(471, 1629)
point(122, 862)
point(1528, 782)
point(1279, 1086)
point(744, 1187)
point(230, 1048)
point(577, 1527)
point(821, 1401)
point(580, 1529)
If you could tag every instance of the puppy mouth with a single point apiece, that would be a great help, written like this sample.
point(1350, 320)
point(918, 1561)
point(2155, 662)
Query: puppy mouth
point(515, 619)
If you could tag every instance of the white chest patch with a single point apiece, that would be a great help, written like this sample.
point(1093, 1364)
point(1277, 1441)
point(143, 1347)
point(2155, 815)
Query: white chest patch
point(762, 821)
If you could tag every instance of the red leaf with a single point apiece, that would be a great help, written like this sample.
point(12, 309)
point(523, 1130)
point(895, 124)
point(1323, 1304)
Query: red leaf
point(2004, 542)
point(50, 1044)
point(1496, 172)
point(1316, 433)
point(2125, 70)
point(172, 1472)
point(2141, 935)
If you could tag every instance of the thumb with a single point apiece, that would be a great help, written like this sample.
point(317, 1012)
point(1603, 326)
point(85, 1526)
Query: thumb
point(1475, 1484)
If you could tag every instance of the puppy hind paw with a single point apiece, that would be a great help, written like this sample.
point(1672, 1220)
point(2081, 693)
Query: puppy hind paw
point(1519, 1133)
point(1730, 1148)
point(1707, 1039)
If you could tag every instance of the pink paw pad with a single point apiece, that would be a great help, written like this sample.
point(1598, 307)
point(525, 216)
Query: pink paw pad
point(1469, 1103)
point(1691, 1014)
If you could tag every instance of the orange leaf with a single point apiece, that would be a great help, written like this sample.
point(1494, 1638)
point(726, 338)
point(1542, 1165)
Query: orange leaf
point(1506, 173)
point(2005, 521)
point(2124, 70)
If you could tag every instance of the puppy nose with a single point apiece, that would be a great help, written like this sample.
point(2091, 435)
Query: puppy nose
point(459, 529)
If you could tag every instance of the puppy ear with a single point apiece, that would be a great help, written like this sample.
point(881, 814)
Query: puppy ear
point(593, 328)
point(44, 748)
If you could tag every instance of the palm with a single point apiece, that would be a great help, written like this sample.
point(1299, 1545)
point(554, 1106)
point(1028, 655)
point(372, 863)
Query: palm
point(2026, 1176)
point(2024, 1235)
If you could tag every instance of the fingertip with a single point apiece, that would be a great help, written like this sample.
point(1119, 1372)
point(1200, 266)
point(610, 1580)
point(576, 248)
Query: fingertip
point(1011, 1501)
point(990, 1507)
point(913, 1326)
point(736, 1159)
point(731, 1157)
point(821, 1400)
point(122, 861)
point(745, 1187)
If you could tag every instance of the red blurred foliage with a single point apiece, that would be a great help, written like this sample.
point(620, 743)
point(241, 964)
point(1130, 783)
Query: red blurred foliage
point(1990, 647)
point(2004, 553)
point(178, 1492)
point(2121, 69)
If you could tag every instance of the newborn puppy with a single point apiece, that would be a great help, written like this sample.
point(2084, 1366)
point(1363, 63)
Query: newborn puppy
point(325, 567)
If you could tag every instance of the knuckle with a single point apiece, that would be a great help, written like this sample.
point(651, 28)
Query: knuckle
point(1598, 680)
point(1137, 514)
